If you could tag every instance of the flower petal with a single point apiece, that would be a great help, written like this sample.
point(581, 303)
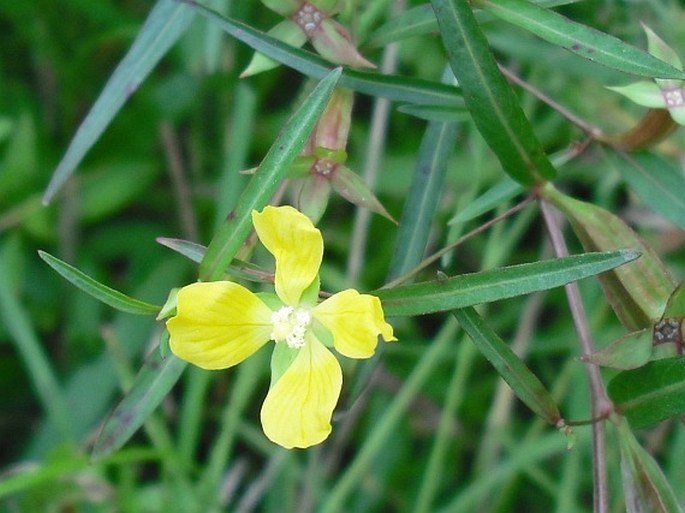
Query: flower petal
point(678, 114)
point(218, 324)
point(334, 44)
point(296, 245)
point(286, 31)
point(643, 93)
point(298, 408)
point(355, 321)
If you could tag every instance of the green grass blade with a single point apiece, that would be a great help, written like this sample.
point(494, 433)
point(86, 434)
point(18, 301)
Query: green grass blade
point(238, 269)
point(494, 482)
point(167, 21)
point(269, 175)
point(439, 113)
point(348, 482)
point(424, 195)
point(493, 285)
point(17, 322)
point(656, 182)
point(493, 105)
point(395, 88)
point(94, 288)
point(32, 477)
point(527, 387)
point(416, 21)
point(498, 195)
point(90, 388)
point(191, 250)
point(153, 383)
point(582, 40)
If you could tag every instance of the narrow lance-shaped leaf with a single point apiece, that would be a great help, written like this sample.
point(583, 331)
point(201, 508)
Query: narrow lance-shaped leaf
point(637, 292)
point(628, 352)
point(352, 187)
point(167, 21)
point(654, 392)
point(421, 20)
point(437, 113)
point(656, 182)
point(645, 486)
point(498, 195)
point(392, 87)
point(424, 196)
point(495, 284)
point(527, 387)
point(238, 268)
point(269, 175)
point(493, 105)
point(154, 381)
point(580, 39)
point(94, 288)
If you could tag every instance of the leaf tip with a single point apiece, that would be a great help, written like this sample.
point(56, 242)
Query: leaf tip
point(630, 254)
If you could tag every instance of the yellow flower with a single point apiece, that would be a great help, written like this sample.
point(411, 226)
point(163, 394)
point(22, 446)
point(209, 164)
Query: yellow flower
point(219, 324)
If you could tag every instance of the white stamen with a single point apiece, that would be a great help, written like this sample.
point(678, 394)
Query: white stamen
point(324, 167)
point(673, 97)
point(290, 324)
point(308, 18)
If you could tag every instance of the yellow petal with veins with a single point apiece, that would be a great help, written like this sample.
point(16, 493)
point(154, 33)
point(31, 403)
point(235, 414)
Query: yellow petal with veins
point(355, 320)
point(298, 408)
point(296, 245)
point(218, 324)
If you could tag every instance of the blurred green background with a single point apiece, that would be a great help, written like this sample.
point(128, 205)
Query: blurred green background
point(168, 166)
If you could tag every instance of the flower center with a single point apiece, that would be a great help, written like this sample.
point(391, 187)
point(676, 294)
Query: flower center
point(290, 324)
point(673, 97)
point(324, 167)
point(308, 18)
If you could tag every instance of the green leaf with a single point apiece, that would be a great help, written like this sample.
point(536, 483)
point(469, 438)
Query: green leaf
point(499, 194)
point(238, 268)
point(645, 486)
point(101, 292)
point(582, 40)
point(628, 352)
point(493, 105)
point(416, 21)
point(437, 113)
point(659, 49)
point(644, 93)
point(420, 20)
point(676, 303)
point(654, 392)
point(493, 285)
point(426, 188)
point(637, 292)
point(268, 177)
point(31, 348)
point(395, 88)
point(656, 182)
point(527, 387)
point(191, 250)
point(167, 21)
point(154, 381)
point(352, 187)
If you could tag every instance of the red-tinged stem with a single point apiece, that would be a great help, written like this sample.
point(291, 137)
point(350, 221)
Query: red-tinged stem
point(601, 406)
